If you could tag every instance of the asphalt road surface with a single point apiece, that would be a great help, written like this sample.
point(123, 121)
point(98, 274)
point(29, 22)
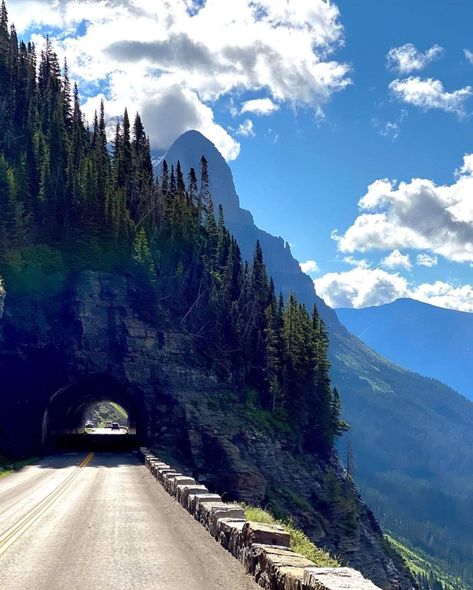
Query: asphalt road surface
point(85, 521)
point(106, 431)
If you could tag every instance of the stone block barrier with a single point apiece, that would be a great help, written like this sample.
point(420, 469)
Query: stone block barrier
point(263, 549)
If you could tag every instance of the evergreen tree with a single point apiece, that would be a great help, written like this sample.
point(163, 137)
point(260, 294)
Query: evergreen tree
point(62, 188)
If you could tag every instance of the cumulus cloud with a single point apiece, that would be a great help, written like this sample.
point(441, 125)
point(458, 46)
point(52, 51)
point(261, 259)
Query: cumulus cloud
point(309, 266)
point(361, 287)
point(364, 287)
point(426, 260)
point(397, 260)
point(259, 106)
point(139, 52)
point(428, 94)
point(418, 215)
point(408, 58)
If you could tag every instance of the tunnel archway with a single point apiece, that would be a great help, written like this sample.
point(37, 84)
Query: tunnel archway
point(65, 416)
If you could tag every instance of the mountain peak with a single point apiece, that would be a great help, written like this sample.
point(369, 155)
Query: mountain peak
point(188, 149)
point(196, 140)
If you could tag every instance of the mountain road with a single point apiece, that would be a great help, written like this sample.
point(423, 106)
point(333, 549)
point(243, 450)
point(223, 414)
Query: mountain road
point(100, 521)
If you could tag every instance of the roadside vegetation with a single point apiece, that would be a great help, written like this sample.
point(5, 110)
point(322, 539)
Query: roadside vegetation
point(6, 467)
point(299, 540)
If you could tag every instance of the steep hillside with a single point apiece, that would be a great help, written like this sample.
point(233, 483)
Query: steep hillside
point(412, 436)
point(127, 288)
point(429, 340)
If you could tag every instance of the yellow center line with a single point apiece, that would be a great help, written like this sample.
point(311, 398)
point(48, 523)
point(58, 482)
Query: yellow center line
point(27, 520)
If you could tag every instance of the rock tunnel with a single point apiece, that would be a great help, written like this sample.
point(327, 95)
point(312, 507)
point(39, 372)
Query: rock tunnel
point(64, 418)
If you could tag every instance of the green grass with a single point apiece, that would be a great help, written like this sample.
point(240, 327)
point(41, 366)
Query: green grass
point(299, 540)
point(9, 468)
point(420, 564)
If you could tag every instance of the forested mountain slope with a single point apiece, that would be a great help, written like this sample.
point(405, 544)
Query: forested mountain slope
point(430, 340)
point(411, 436)
point(116, 279)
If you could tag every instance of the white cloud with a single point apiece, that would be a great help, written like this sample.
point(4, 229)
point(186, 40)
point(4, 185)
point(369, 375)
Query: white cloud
point(24, 13)
point(259, 106)
point(418, 215)
point(428, 94)
point(363, 287)
point(426, 260)
point(309, 267)
point(468, 55)
point(408, 58)
point(139, 52)
point(357, 262)
point(446, 295)
point(397, 260)
point(246, 129)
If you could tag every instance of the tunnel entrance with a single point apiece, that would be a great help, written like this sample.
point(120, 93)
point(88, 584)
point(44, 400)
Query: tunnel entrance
point(94, 413)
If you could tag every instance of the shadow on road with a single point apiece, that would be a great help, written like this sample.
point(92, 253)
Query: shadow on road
point(91, 442)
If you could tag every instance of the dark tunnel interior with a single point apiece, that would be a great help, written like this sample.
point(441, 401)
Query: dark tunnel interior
point(65, 417)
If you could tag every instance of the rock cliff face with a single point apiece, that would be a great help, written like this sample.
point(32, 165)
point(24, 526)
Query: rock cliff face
point(100, 339)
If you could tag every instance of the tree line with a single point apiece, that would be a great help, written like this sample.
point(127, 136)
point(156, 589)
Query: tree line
point(71, 199)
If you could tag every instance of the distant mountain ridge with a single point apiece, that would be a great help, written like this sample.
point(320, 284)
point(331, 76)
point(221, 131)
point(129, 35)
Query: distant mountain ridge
point(429, 340)
point(412, 436)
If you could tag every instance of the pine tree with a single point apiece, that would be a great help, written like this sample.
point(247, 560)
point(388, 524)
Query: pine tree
point(204, 200)
point(61, 187)
point(5, 89)
point(192, 187)
point(4, 52)
point(142, 254)
point(10, 221)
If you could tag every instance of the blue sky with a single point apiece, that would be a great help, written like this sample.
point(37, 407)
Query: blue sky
point(343, 119)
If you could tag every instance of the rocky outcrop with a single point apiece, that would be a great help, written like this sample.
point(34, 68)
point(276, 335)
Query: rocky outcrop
point(103, 339)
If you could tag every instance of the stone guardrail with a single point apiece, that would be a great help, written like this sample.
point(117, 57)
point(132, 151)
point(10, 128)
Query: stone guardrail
point(263, 549)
